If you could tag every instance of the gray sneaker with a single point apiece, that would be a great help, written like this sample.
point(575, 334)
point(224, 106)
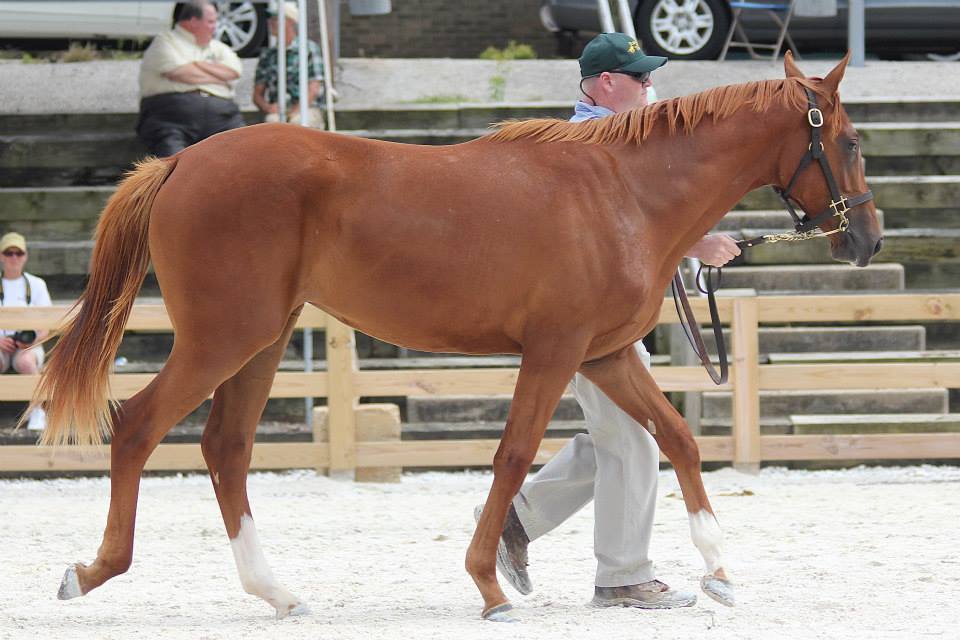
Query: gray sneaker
point(649, 595)
point(512, 551)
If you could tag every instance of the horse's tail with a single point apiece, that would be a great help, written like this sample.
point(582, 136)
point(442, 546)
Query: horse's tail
point(74, 385)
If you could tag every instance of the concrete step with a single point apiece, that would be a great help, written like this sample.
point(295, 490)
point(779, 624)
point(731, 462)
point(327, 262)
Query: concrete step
point(899, 245)
point(903, 166)
point(815, 277)
point(936, 355)
point(819, 339)
point(910, 139)
point(477, 409)
point(779, 404)
point(771, 219)
point(876, 423)
point(910, 192)
point(935, 199)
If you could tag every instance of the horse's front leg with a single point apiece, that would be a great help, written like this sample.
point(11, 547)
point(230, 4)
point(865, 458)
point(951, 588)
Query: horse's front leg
point(627, 382)
point(545, 371)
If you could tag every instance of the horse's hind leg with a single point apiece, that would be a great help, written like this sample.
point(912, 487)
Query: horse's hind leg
point(196, 366)
point(545, 371)
point(627, 382)
point(227, 446)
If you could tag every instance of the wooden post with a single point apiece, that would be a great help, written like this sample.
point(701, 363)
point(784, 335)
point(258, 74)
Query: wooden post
point(342, 396)
point(375, 423)
point(746, 393)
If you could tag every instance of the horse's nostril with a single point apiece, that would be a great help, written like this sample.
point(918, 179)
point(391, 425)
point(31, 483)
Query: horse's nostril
point(879, 246)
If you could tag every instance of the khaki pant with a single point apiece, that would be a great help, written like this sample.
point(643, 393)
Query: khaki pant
point(615, 465)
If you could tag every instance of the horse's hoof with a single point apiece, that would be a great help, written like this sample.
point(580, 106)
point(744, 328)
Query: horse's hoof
point(720, 589)
point(299, 609)
point(70, 585)
point(499, 613)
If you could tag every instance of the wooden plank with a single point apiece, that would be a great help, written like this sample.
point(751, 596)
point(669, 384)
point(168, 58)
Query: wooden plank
point(489, 381)
point(343, 395)
point(861, 447)
point(860, 308)
point(881, 375)
point(167, 457)
point(286, 384)
point(701, 310)
point(808, 308)
point(746, 394)
point(308, 455)
point(143, 317)
point(479, 453)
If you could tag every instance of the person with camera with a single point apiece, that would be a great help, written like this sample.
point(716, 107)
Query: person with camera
point(19, 349)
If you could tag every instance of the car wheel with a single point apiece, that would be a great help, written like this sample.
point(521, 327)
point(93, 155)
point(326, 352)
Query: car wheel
point(683, 29)
point(242, 26)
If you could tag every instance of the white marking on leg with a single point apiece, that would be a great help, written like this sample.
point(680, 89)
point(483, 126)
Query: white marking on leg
point(255, 574)
point(708, 538)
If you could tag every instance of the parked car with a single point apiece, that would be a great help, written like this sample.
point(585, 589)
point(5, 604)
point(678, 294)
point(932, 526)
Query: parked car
point(697, 29)
point(242, 25)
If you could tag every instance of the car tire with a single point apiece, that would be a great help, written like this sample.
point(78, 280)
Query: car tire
point(683, 29)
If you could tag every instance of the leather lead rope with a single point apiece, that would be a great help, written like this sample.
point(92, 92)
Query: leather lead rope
point(692, 329)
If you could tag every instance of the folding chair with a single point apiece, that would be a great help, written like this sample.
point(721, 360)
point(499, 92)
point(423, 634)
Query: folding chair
point(780, 12)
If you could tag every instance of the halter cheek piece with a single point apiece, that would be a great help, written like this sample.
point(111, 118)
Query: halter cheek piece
point(805, 228)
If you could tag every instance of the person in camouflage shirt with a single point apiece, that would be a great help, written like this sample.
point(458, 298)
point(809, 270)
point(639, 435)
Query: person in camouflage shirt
point(266, 80)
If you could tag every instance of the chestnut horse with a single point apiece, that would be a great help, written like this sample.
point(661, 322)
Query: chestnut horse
point(547, 239)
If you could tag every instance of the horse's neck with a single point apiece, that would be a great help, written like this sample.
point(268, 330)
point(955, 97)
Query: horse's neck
point(698, 177)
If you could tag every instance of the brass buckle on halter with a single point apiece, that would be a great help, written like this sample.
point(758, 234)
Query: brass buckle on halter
point(841, 213)
point(815, 117)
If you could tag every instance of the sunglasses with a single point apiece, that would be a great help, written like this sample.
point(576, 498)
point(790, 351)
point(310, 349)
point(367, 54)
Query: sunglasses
point(639, 77)
point(14, 254)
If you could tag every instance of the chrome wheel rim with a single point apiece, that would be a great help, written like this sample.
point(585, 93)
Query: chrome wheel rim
point(681, 27)
point(237, 24)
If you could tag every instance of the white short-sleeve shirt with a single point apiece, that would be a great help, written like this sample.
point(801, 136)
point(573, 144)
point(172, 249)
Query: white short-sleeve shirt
point(175, 48)
point(15, 294)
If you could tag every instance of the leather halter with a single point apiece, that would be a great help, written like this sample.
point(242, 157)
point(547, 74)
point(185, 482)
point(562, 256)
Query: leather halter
point(805, 228)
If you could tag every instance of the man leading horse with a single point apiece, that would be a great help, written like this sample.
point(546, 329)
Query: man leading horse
point(615, 464)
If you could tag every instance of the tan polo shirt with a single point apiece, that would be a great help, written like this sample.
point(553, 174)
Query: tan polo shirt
point(175, 48)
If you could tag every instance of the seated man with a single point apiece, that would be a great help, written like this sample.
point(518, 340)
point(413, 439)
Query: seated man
point(266, 82)
point(21, 289)
point(187, 83)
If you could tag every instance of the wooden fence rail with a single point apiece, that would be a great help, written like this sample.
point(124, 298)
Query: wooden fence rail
point(343, 384)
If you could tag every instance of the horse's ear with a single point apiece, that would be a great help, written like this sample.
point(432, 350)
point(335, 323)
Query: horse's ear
point(793, 71)
point(832, 81)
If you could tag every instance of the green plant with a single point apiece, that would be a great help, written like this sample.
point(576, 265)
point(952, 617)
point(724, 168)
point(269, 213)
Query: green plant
point(26, 58)
point(498, 87)
point(513, 51)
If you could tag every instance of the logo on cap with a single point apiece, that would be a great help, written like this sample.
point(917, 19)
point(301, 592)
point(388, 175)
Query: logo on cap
point(633, 46)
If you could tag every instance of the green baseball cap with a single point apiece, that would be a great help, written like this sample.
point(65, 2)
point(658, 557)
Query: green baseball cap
point(616, 52)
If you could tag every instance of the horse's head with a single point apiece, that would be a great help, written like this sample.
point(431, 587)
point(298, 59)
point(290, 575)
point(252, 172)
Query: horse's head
point(833, 192)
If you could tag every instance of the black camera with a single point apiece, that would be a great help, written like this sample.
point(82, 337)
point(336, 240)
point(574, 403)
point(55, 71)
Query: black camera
point(24, 337)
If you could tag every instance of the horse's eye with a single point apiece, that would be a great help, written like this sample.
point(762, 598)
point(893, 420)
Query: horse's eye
point(852, 145)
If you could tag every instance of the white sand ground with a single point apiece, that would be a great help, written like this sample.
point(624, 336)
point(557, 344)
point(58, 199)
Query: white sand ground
point(865, 553)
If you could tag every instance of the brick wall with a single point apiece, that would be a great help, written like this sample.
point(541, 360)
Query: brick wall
point(444, 29)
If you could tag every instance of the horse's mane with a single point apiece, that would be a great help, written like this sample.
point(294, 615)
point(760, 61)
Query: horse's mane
point(684, 113)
